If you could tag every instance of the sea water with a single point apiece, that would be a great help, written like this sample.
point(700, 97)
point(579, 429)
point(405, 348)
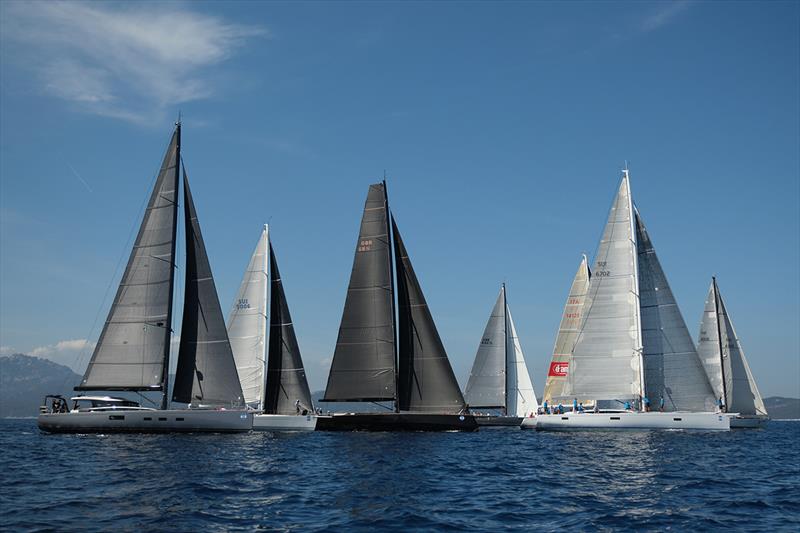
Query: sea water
point(495, 479)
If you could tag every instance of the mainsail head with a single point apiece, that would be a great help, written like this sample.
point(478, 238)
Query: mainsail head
point(486, 387)
point(133, 348)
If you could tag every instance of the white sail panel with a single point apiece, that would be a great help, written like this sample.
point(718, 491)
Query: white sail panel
point(672, 369)
point(521, 399)
point(708, 344)
point(607, 353)
point(556, 388)
point(247, 324)
point(486, 387)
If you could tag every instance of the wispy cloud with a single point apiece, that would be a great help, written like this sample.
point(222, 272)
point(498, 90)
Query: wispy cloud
point(128, 62)
point(72, 353)
point(666, 13)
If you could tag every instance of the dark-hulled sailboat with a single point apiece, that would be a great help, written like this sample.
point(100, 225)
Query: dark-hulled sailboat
point(132, 353)
point(381, 357)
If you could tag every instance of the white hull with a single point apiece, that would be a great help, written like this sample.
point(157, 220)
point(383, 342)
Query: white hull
point(147, 421)
point(529, 422)
point(284, 422)
point(745, 421)
point(633, 421)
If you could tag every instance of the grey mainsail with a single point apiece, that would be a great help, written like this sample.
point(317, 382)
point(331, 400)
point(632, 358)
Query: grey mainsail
point(606, 357)
point(672, 369)
point(286, 377)
point(486, 387)
point(363, 366)
point(132, 352)
point(724, 359)
point(206, 373)
point(425, 378)
point(556, 387)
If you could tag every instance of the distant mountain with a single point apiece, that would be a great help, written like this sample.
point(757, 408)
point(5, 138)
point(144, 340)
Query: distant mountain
point(782, 408)
point(25, 380)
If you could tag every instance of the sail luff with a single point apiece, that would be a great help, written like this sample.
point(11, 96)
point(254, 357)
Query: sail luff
point(717, 321)
point(709, 345)
point(133, 348)
point(485, 388)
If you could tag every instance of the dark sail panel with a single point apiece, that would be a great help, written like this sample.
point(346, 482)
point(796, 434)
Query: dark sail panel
point(363, 367)
point(286, 377)
point(132, 350)
point(426, 381)
point(206, 373)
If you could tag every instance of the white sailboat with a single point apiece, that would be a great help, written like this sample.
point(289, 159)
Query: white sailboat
point(499, 379)
point(633, 356)
point(723, 357)
point(265, 348)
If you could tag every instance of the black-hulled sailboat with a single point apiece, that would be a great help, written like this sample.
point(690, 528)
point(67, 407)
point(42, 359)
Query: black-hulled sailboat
point(383, 356)
point(132, 353)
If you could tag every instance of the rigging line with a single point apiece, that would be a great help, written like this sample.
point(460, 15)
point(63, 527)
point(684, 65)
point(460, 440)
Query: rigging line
point(82, 354)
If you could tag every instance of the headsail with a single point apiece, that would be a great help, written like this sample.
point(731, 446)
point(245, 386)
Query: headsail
point(606, 357)
point(555, 389)
point(739, 391)
point(247, 325)
point(206, 373)
point(672, 368)
point(520, 397)
point(486, 387)
point(133, 349)
point(286, 377)
point(426, 380)
point(363, 367)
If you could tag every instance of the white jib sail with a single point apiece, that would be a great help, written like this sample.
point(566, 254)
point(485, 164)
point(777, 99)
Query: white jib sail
point(247, 324)
point(520, 397)
point(486, 387)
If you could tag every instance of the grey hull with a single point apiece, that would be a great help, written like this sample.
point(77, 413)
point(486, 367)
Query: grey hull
point(144, 421)
point(498, 421)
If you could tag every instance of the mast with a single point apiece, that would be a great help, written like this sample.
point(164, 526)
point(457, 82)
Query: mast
point(639, 346)
point(505, 346)
point(392, 288)
point(719, 342)
point(168, 343)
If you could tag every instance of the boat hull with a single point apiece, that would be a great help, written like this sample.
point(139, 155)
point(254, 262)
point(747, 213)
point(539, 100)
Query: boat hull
point(748, 422)
point(263, 422)
point(146, 421)
point(529, 422)
point(498, 421)
point(396, 422)
point(633, 421)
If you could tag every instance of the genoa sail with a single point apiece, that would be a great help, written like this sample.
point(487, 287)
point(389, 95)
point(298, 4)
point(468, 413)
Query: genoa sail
point(606, 357)
point(286, 384)
point(426, 381)
point(555, 389)
point(724, 359)
point(247, 325)
point(363, 366)
point(486, 387)
point(132, 352)
point(206, 373)
point(672, 369)
point(520, 397)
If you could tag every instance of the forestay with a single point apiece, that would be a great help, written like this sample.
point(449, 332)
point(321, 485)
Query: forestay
point(486, 387)
point(247, 324)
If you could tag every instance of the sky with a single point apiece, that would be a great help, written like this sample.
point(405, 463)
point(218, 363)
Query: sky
point(501, 127)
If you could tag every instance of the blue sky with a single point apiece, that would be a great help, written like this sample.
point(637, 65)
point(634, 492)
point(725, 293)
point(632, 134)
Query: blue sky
point(502, 128)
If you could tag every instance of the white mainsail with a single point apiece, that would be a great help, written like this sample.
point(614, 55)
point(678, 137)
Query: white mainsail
point(607, 355)
point(486, 387)
point(724, 360)
point(247, 324)
point(556, 386)
point(520, 397)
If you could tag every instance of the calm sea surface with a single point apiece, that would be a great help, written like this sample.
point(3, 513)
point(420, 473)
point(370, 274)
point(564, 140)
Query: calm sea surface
point(491, 480)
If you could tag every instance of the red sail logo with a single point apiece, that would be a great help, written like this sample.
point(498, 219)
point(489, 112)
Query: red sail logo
point(558, 369)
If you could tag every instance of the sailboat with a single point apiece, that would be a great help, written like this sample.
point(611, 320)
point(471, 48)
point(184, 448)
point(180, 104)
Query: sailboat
point(633, 356)
point(726, 366)
point(499, 379)
point(383, 357)
point(265, 347)
point(132, 353)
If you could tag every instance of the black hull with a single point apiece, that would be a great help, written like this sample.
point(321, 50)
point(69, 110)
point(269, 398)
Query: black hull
point(498, 421)
point(397, 422)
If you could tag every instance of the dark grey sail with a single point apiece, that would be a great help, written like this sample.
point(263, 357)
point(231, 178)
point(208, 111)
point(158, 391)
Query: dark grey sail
point(426, 382)
point(363, 367)
point(206, 373)
point(286, 377)
point(132, 352)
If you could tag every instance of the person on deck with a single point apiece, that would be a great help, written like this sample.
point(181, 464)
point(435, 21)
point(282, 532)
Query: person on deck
point(646, 402)
point(580, 407)
point(574, 405)
point(661, 404)
point(544, 406)
point(627, 406)
point(560, 409)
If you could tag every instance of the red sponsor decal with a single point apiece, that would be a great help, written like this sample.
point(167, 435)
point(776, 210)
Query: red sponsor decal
point(558, 369)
